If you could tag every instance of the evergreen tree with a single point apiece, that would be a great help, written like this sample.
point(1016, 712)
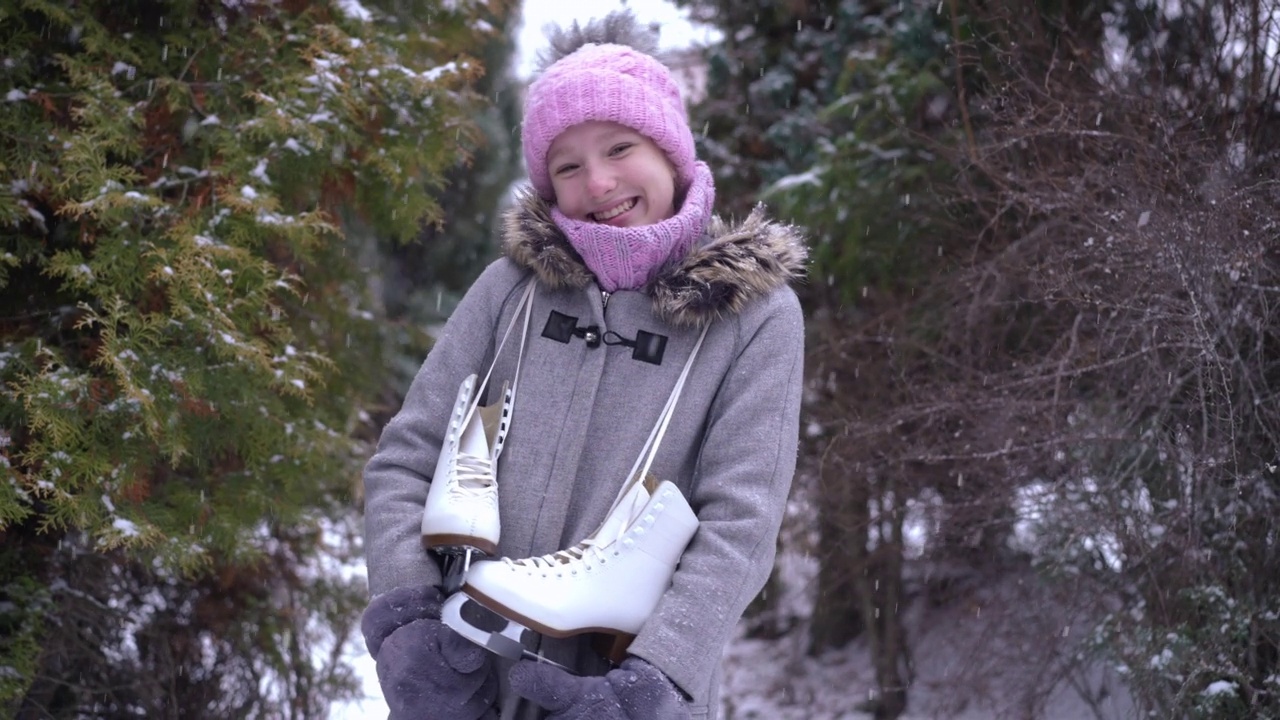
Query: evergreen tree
point(423, 280)
point(772, 73)
point(186, 333)
point(833, 117)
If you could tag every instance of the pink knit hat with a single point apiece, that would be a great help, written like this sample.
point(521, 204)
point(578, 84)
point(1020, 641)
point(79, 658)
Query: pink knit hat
point(606, 82)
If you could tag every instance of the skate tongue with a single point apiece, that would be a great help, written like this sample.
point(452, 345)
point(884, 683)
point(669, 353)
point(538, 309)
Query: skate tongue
point(492, 417)
point(624, 512)
point(473, 441)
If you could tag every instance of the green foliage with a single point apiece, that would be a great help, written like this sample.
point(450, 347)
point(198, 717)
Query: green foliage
point(186, 332)
point(423, 280)
point(1201, 635)
point(870, 198)
point(835, 117)
point(22, 617)
point(772, 75)
point(1198, 667)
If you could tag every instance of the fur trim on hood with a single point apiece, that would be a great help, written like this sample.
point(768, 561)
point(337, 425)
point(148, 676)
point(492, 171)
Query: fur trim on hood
point(718, 277)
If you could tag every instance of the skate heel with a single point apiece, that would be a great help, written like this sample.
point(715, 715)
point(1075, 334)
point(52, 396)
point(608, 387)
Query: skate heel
point(456, 561)
point(612, 647)
point(450, 544)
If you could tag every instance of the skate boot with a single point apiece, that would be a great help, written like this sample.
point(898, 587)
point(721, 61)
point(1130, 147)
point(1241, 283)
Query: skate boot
point(460, 518)
point(609, 583)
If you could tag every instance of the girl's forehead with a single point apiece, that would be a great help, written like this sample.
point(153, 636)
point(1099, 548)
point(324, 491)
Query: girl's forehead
point(590, 131)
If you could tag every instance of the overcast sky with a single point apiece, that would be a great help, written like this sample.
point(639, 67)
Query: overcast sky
point(677, 32)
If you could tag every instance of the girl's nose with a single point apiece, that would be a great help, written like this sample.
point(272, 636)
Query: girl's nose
point(600, 181)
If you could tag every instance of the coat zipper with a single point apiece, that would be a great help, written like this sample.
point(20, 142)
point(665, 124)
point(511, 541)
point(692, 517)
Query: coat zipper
point(604, 300)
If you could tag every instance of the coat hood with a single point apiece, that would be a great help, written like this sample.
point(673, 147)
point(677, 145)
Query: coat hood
point(732, 266)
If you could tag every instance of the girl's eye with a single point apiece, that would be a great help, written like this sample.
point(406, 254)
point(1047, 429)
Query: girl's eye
point(621, 148)
point(565, 169)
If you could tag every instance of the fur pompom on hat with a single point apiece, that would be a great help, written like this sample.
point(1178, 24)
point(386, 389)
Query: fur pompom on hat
point(607, 72)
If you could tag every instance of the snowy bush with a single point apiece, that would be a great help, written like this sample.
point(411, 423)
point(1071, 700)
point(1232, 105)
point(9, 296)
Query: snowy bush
point(186, 333)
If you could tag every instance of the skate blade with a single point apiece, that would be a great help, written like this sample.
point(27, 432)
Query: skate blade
point(491, 631)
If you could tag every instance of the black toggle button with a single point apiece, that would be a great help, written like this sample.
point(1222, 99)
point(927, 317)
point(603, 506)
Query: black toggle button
point(647, 347)
point(563, 328)
point(559, 327)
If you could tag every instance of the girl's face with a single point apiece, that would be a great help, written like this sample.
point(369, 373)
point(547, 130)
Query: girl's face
point(608, 173)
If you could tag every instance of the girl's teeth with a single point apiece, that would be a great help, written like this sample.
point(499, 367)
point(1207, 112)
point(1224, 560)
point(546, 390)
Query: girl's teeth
point(610, 214)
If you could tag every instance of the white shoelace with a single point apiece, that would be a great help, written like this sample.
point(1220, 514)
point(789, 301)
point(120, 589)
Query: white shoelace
point(473, 473)
point(592, 547)
point(526, 304)
point(585, 551)
point(582, 552)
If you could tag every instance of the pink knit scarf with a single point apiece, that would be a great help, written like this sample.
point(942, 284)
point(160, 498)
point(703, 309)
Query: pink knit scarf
point(628, 258)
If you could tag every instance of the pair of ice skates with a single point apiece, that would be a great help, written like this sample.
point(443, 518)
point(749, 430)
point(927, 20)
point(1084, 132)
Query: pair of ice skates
point(608, 583)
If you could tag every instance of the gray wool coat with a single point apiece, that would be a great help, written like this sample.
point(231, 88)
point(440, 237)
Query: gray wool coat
point(582, 413)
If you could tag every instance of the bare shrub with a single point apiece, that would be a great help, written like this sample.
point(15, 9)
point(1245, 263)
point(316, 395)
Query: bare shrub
point(1091, 382)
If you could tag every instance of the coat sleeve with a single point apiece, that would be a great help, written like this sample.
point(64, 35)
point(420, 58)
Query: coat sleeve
point(397, 476)
point(743, 480)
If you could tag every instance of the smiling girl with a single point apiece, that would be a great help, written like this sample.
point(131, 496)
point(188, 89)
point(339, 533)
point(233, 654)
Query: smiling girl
point(635, 293)
point(608, 173)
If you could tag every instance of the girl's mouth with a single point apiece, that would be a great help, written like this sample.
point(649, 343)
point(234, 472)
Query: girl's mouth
point(613, 212)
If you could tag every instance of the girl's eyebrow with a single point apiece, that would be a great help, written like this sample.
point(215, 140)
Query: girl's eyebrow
point(555, 155)
point(613, 135)
point(608, 137)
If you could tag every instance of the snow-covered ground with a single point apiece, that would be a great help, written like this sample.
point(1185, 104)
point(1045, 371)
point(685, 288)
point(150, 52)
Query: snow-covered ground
point(979, 657)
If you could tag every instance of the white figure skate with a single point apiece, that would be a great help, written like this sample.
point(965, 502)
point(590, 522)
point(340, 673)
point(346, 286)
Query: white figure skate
point(460, 518)
point(609, 583)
